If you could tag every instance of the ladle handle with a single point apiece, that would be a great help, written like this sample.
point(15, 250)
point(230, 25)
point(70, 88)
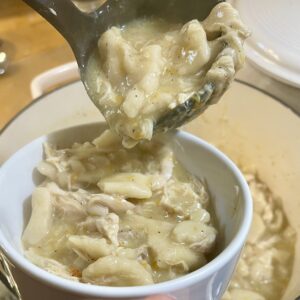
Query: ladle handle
point(68, 20)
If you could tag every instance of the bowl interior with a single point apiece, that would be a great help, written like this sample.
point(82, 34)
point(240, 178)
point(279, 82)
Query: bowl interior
point(231, 198)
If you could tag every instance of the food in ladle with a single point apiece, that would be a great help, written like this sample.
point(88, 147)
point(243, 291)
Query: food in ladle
point(149, 66)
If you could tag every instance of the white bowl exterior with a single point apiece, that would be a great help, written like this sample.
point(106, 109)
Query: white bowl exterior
point(231, 200)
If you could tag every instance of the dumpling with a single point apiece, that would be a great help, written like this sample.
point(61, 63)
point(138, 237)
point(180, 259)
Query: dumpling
point(41, 217)
point(147, 225)
point(88, 247)
point(49, 264)
point(168, 254)
point(115, 203)
point(196, 48)
point(116, 271)
point(197, 235)
point(129, 185)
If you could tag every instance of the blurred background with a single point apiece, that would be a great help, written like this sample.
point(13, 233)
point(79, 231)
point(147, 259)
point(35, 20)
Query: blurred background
point(32, 46)
point(29, 46)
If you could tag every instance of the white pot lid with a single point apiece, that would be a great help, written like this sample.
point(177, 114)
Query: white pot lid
point(274, 46)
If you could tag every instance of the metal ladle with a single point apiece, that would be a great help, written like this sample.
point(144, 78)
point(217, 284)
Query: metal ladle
point(82, 31)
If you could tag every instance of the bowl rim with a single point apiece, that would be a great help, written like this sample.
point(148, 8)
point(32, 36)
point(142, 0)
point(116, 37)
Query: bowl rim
point(233, 248)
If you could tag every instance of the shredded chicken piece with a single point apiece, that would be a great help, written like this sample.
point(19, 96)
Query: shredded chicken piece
point(109, 226)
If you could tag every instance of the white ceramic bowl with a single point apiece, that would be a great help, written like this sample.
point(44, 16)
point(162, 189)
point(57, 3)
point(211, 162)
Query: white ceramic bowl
point(231, 201)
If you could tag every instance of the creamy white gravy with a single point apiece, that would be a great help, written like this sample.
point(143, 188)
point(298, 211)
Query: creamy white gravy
point(149, 66)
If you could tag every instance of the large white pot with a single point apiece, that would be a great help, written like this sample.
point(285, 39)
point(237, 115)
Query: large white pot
point(251, 127)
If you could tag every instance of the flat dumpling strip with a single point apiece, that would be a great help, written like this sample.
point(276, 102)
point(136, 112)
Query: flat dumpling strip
point(115, 203)
point(50, 265)
point(146, 225)
point(47, 169)
point(116, 271)
point(88, 247)
point(41, 217)
point(129, 185)
point(166, 254)
point(197, 235)
point(108, 141)
point(112, 46)
point(133, 102)
point(195, 45)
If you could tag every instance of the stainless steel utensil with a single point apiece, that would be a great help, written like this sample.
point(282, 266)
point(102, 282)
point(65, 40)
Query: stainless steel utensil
point(7, 279)
point(82, 31)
